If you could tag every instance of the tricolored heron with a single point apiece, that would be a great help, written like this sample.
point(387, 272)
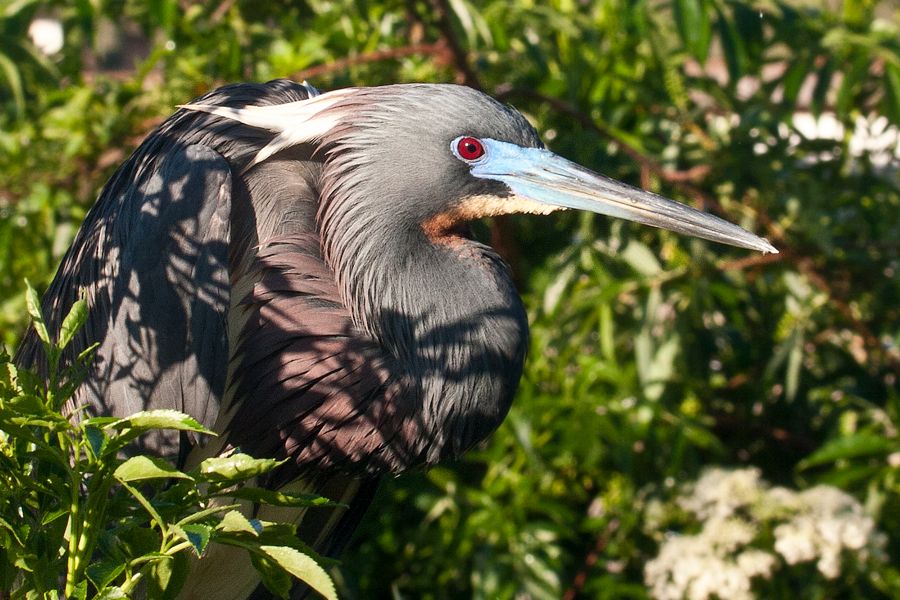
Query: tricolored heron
point(293, 269)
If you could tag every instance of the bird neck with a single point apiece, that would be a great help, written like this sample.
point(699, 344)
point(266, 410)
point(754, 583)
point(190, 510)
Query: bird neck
point(446, 311)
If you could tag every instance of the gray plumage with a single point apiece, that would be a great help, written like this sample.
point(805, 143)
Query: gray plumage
point(299, 278)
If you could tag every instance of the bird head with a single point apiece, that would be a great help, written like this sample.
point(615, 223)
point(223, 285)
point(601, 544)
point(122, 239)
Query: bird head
point(439, 156)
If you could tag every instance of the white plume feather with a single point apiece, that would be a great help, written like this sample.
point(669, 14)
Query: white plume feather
point(295, 123)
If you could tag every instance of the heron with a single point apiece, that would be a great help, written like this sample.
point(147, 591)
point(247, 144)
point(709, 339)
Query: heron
point(294, 269)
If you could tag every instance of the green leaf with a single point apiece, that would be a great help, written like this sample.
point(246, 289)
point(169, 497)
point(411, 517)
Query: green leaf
point(855, 475)
point(234, 521)
point(113, 593)
point(33, 302)
point(101, 574)
point(138, 468)
point(640, 258)
point(13, 80)
point(54, 515)
point(794, 366)
point(793, 79)
point(12, 9)
point(197, 534)
point(823, 84)
point(159, 419)
point(72, 323)
point(167, 577)
point(96, 438)
point(49, 421)
point(15, 532)
point(80, 592)
point(694, 27)
point(302, 567)
point(274, 498)
point(99, 421)
point(208, 512)
point(87, 355)
point(853, 446)
point(272, 575)
point(732, 46)
point(28, 404)
point(236, 467)
point(853, 77)
point(555, 290)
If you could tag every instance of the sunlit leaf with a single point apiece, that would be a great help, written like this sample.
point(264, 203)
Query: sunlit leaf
point(73, 322)
point(302, 567)
point(854, 446)
point(236, 467)
point(138, 468)
point(34, 309)
point(273, 576)
point(234, 522)
point(159, 419)
point(276, 498)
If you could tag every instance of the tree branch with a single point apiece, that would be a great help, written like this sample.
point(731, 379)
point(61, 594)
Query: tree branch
point(591, 559)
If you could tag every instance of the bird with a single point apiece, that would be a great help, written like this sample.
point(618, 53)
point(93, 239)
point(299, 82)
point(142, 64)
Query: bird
point(295, 270)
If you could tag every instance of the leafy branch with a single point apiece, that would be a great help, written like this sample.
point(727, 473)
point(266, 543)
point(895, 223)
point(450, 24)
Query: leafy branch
point(78, 517)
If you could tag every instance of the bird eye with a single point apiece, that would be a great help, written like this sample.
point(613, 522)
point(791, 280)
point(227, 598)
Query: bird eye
point(469, 148)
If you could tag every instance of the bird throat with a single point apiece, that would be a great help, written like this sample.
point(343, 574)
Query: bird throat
point(449, 316)
point(447, 225)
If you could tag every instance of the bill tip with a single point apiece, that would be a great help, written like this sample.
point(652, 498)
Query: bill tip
point(768, 248)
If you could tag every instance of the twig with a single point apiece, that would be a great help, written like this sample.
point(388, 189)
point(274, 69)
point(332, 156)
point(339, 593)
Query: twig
point(220, 11)
point(590, 560)
point(755, 260)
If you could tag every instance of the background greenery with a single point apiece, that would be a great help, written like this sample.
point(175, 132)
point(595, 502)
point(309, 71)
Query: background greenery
point(653, 356)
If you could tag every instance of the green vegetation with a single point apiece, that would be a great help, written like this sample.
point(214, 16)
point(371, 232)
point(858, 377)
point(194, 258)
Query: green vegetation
point(77, 516)
point(654, 356)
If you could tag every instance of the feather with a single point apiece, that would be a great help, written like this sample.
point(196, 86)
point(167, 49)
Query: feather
point(295, 123)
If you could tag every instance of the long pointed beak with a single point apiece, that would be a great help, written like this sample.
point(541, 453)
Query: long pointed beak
point(544, 177)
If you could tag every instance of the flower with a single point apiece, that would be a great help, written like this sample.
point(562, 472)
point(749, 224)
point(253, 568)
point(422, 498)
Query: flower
point(735, 510)
point(695, 567)
point(828, 522)
point(721, 492)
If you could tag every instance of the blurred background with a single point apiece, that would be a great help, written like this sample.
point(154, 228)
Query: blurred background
point(695, 420)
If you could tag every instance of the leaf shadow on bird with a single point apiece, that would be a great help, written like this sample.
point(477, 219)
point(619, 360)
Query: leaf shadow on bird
point(294, 270)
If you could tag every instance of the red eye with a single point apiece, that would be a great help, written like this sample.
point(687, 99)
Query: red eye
point(469, 148)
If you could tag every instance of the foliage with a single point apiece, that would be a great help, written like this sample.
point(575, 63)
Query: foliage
point(77, 515)
point(653, 355)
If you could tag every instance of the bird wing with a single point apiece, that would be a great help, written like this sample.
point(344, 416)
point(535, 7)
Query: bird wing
point(152, 261)
point(311, 386)
point(196, 313)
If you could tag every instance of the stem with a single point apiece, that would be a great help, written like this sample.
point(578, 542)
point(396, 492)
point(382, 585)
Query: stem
point(76, 543)
point(132, 581)
point(178, 548)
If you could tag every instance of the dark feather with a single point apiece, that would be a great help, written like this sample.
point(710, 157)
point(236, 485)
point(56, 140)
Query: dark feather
point(297, 305)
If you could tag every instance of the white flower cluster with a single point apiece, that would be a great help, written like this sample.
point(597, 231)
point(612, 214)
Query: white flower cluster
point(719, 493)
point(706, 565)
point(829, 523)
point(733, 507)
